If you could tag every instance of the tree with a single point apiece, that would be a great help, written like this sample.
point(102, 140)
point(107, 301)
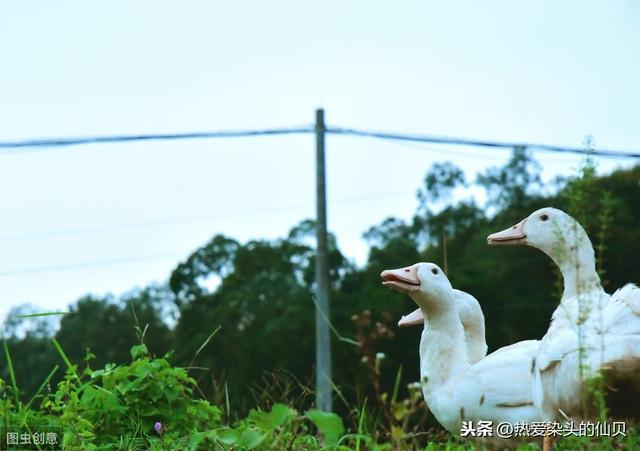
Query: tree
point(108, 327)
point(439, 183)
point(215, 257)
point(264, 305)
point(510, 185)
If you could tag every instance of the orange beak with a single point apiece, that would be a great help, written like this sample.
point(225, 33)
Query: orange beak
point(511, 236)
point(415, 318)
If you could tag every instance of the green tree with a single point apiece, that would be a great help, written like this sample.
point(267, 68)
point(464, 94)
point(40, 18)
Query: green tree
point(107, 327)
point(510, 185)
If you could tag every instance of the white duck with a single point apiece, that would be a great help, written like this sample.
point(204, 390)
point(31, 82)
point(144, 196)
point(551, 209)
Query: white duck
point(497, 388)
point(472, 319)
point(590, 330)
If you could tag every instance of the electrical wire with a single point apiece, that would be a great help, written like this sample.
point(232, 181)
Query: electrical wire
point(85, 264)
point(192, 219)
point(48, 143)
point(480, 143)
point(112, 139)
point(458, 153)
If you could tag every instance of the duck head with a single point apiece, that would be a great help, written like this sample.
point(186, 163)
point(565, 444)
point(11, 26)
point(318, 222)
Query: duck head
point(559, 236)
point(548, 229)
point(425, 283)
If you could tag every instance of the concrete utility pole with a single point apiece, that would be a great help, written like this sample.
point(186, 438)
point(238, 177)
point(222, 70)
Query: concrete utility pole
point(323, 339)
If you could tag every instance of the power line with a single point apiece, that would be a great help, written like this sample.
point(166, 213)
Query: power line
point(183, 220)
point(74, 141)
point(143, 258)
point(479, 143)
point(470, 154)
point(459, 153)
point(85, 264)
point(50, 143)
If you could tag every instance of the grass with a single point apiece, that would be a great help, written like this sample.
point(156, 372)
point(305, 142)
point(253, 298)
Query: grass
point(117, 407)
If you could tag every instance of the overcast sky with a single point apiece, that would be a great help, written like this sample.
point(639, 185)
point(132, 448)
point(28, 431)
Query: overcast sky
point(108, 218)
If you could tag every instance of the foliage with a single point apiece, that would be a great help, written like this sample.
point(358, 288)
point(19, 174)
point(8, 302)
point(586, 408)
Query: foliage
point(149, 404)
point(439, 183)
point(510, 185)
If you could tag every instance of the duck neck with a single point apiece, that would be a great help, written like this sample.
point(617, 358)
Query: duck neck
point(442, 347)
point(578, 267)
point(476, 342)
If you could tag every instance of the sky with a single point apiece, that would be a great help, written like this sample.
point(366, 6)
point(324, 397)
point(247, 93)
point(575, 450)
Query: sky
point(109, 218)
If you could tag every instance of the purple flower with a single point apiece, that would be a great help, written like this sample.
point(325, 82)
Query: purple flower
point(158, 427)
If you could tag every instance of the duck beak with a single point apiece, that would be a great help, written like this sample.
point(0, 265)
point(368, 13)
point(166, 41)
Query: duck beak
point(415, 318)
point(404, 280)
point(511, 236)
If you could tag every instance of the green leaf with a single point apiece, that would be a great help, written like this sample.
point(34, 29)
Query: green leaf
point(139, 351)
point(396, 385)
point(329, 424)
point(251, 438)
point(399, 410)
point(37, 315)
point(270, 421)
point(228, 436)
point(10, 366)
point(360, 425)
point(70, 368)
point(397, 433)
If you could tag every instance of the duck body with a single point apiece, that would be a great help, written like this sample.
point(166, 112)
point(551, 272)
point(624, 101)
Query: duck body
point(496, 388)
point(591, 332)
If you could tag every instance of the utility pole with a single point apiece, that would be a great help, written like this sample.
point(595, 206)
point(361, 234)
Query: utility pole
point(323, 339)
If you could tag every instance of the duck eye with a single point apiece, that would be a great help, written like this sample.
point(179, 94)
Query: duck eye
point(544, 217)
point(434, 270)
